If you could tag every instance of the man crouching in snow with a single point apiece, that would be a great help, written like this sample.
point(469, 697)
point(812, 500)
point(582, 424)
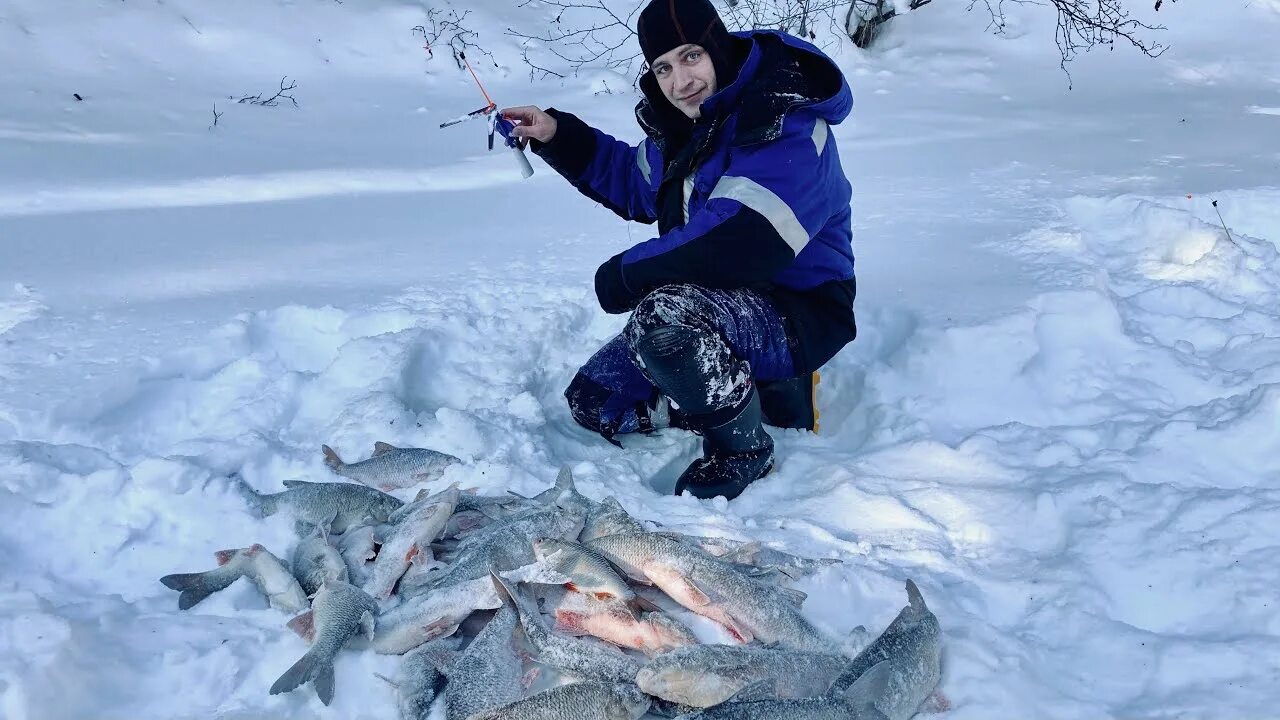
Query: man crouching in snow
point(748, 289)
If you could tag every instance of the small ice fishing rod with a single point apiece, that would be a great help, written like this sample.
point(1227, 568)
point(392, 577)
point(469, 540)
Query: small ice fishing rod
point(496, 122)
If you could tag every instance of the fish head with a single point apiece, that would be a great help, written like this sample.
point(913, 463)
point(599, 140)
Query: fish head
point(668, 634)
point(685, 685)
point(545, 547)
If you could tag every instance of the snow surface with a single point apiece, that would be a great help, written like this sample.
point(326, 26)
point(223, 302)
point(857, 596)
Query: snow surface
point(1061, 416)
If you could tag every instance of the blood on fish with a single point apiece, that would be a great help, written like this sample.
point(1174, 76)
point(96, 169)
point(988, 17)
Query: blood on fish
point(936, 703)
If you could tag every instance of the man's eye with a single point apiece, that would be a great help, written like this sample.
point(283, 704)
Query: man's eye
point(694, 56)
point(661, 70)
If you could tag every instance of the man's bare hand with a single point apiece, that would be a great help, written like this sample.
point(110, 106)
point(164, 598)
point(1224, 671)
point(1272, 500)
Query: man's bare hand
point(531, 123)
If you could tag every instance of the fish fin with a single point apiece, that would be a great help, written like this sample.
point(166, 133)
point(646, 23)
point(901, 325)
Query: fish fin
point(387, 680)
point(304, 625)
point(423, 494)
point(438, 629)
point(915, 598)
point(796, 597)
point(739, 633)
point(692, 591)
point(264, 505)
point(296, 483)
point(190, 598)
point(643, 604)
point(857, 639)
point(755, 692)
point(744, 553)
point(180, 581)
point(564, 479)
point(530, 677)
point(323, 683)
point(869, 687)
point(423, 556)
point(381, 448)
point(308, 668)
point(368, 624)
point(194, 587)
point(331, 458)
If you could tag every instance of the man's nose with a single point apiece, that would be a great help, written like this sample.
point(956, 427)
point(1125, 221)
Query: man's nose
point(684, 79)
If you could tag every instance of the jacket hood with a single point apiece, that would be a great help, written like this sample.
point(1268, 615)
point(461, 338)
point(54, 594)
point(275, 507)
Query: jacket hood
point(779, 73)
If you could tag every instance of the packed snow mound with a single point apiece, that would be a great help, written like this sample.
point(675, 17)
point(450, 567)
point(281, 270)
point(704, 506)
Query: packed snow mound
point(20, 305)
point(1136, 412)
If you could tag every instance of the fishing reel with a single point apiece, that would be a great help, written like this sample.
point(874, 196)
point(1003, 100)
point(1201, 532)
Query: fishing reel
point(500, 126)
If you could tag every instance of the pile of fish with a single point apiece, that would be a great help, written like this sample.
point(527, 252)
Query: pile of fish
point(489, 597)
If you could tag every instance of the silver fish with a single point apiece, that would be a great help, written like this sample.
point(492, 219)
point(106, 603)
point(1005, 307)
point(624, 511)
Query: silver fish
point(757, 554)
point(339, 612)
point(266, 571)
point(758, 702)
point(591, 700)
point(417, 524)
point(488, 673)
point(612, 621)
point(586, 659)
point(315, 561)
point(433, 614)
point(509, 544)
point(911, 648)
point(745, 607)
point(587, 571)
point(333, 506)
point(707, 675)
point(392, 467)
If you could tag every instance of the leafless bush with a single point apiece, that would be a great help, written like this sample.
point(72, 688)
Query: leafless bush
point(584, 34)
point(284, 93)
point(446, 29)
point(599, 33)
point(1084, 25)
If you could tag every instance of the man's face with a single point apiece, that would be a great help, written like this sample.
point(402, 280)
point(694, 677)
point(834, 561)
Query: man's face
point(686, 77)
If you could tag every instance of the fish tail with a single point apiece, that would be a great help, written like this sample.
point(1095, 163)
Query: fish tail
point(195, 587)
point(915, 598)
point(264, 505)
point(313, 668)
point(331, 458)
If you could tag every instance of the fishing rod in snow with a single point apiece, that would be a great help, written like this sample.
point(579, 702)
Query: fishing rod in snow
point(496, 123)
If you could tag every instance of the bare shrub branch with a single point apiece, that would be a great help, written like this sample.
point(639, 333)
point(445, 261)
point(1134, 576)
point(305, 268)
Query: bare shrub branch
point(1084, 25)
point(583, 34)
point(446, 28)
point(284, 93)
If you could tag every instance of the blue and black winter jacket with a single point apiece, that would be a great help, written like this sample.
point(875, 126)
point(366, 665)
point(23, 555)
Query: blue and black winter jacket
point(750, 195)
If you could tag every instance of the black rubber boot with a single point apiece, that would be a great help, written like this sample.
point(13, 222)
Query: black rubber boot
point(791, 403)
point(735, 455)
point(714, 393)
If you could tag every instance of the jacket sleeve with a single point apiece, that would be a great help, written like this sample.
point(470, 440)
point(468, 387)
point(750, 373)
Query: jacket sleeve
point(605, 169)
point(758, 217)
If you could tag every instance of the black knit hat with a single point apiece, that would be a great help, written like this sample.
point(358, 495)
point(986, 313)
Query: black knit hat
point(665, 25)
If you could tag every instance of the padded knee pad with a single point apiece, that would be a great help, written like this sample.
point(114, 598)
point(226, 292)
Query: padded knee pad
point(694, 368)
